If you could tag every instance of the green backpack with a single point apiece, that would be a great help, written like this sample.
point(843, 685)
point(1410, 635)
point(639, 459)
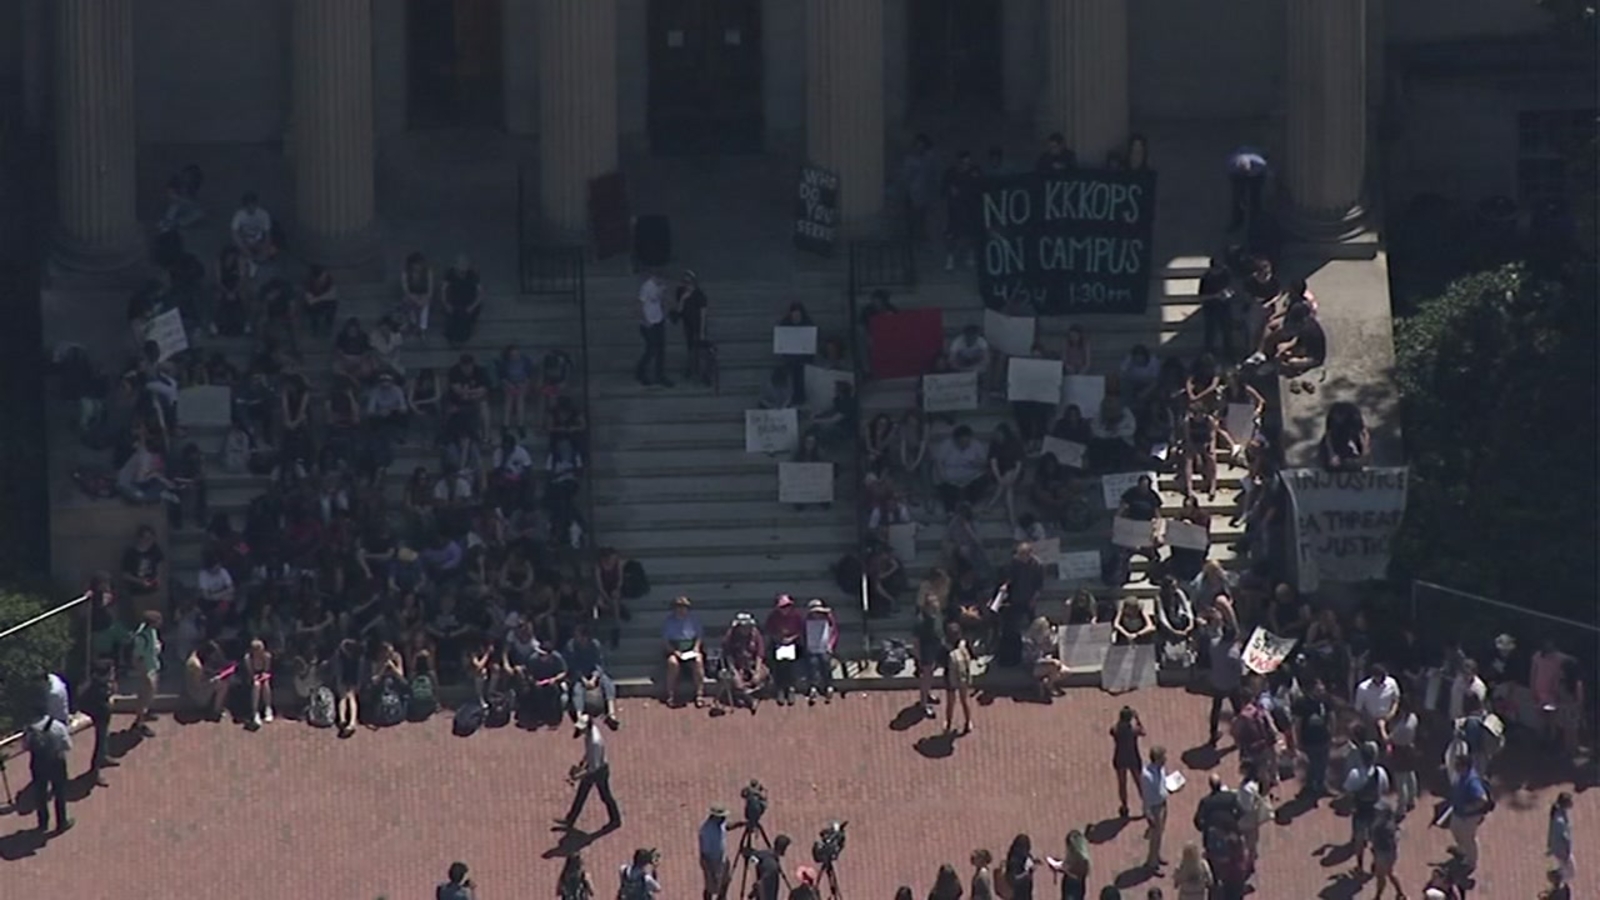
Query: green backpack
point(423, 700)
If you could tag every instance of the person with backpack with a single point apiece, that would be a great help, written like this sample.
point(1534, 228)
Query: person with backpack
point(573, 883)
point(638, 878)
point(459, 887)
point(1470, 801)
point(147, 669)
point(48, 740)
point(1367, 784)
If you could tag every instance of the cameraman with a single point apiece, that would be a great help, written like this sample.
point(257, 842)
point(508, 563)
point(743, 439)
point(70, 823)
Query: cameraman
point(713, 840)
point(769, 868)
point(459, 887)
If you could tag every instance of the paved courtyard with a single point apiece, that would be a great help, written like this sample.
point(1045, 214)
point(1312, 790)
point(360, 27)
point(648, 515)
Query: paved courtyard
point(292, 812)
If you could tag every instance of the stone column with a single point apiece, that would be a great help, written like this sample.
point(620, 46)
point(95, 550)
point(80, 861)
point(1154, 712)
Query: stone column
point(1086, 84)
point(844, 101)
point(1020, 42)
point(577, 41)
point(331, 136)
point(1325, 160)
point(96, 142)
point(519, 67)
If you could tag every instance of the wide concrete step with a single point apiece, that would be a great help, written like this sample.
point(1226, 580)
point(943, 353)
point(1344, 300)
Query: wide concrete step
point(785, 537)
point(645, 462)
point(709, 511)
point(692, 489)
point(741, 568)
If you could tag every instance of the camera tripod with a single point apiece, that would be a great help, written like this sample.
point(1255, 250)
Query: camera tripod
point(747, 845)
point(828, 881)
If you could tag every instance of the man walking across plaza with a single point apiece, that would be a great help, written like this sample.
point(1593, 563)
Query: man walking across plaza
point(592, 773)
point(95, 702)
point(652, 365)
point(1153, 793)
point(147, 669)
point(48, 741)
point(713, 842)
point(1469, 803)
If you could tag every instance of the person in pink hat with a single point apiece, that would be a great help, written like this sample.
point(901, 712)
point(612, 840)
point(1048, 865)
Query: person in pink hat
point(785, 629)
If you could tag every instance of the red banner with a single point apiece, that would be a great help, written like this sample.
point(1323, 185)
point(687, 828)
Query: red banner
point(906, 344)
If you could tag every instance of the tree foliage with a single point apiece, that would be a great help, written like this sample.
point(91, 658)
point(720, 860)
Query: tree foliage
point(1497, 378)
point(39, 648)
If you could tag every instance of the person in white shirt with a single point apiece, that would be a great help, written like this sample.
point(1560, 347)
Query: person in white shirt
point(214, 583)
point(962, 464)
point(251, 229)
point(1466, 682)
point(57, 703)
point(651, 368)
point(969, 352)
point(1376, 699)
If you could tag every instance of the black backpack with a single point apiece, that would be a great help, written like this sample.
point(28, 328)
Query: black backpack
point(469, 718)
point(498, 715)
point(635, 583)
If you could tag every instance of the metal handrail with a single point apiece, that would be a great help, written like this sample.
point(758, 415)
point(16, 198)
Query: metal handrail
point(858, 454)
point(42, 616)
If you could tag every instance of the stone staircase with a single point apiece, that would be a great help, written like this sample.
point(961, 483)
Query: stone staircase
point(534, 323)
point(1171, 326)
point(674, 487)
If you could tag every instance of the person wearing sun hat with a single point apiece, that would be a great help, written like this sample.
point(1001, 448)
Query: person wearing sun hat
point(785, 629)
point(683, 636)
point(821, 637)
point(713, 842)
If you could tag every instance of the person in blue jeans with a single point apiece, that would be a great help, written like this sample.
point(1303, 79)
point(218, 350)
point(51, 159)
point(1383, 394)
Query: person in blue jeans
point(587, 670)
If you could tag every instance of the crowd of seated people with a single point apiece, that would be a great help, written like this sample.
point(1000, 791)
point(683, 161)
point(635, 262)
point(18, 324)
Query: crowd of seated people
point(338, 575)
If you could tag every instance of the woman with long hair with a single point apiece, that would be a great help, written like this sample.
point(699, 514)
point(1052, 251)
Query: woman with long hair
point(574, 883)
point(1017, 872)
point(1193, 877)
point(946, 885)
point(1073, 867)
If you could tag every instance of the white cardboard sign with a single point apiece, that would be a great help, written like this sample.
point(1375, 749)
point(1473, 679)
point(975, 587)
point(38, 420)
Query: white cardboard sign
point(1011, 335)
point(1068, 453)
point(1036, 380)
point(1265, 651)
point(794, 340)
point(1112, 487)
point(805, 482)
point(820, 386)
point(1187, 535)
point(1048, 552)
point(1079, 565)
point(205, 406)
point(771, 430)
point(954, 392)
point(1241, 422)
point(168, 333)
point(1085, 392)
point(1134, 534)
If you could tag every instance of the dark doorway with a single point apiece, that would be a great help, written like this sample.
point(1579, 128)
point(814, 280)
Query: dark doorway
point(453, 63)
point(955, 55)
point(705, 76)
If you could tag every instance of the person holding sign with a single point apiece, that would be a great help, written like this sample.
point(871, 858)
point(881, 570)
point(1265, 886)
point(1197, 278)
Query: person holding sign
point(1005, 467)
point(1197, 452)
point(797, 317)
point(1237, 431)
point(838, 425)
point(1141, 503)
point(969, 352)
point(785, 628)
point(1184, 563)
point(1075, 356)
point(962, 467)
point(1111, 435)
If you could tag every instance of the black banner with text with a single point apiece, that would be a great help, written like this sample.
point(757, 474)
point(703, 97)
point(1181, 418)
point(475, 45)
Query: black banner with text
point(1068, 243)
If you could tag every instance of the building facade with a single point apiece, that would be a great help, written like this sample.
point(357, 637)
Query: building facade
point(837, 81)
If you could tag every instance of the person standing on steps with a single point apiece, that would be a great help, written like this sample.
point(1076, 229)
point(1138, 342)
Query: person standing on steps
point(652, 365)
point(593, 772)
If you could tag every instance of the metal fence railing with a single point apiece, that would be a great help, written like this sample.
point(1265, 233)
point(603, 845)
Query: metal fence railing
point(1475, 621)
point(890, 265)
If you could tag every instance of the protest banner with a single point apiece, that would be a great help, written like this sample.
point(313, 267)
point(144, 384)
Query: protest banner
point(794, 340)
point(205, 406)
point(1265, 651)
point(1085, 392)
point(1068, 453)
point(820, 386)
point(1079, 565)
point(903, 541)
point(954, 392)
point(1344, 522)
point(905, 344)
point(168, 333)
point(1186, 535)
point(816, 210)
point(805, 482)
point(1241, 422)
point(1135, 534)
point(1036, 380)
point(1112, 487)
point(1068, 243)
point(1011, 335)
point(1084, 647)
point(771, 430)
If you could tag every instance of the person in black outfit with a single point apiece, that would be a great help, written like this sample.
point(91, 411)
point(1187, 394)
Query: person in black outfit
point(769, 868)
point(1312, 715)
point(463, 301)
point(1057, 159)
point(459, 887)
point(1216, 308)
point(689, 308)
point(94, 701)
point(48, 742)
point(962, 188)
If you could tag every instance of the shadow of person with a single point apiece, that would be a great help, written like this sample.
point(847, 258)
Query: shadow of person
point(21, 844)
point(574, 840)
point(1106, 830)
point(907, 718)
point(1128, 879)
point(121, 743)
point(1203, 757)
point(936, 746)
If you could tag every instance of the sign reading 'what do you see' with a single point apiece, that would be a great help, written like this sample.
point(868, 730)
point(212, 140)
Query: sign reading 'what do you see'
point(1070, 243)
point(816, 210)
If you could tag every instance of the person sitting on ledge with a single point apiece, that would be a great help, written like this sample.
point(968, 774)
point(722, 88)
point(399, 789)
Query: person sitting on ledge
point(1346, 444)
point(682, 635)
point(744, 669)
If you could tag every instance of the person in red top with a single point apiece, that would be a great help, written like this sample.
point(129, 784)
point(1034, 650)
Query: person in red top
point(785, 628)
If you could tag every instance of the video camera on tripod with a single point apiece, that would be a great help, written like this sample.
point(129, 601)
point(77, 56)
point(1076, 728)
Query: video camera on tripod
point(829, 844)
point(754, 795)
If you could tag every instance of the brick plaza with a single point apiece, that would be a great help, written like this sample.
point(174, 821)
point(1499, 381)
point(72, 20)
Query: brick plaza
point(293, 812)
